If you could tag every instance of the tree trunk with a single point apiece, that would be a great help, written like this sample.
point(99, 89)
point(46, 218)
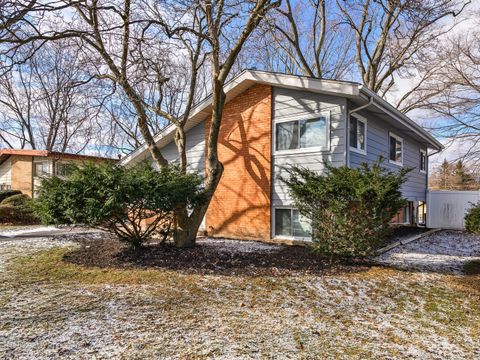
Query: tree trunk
point(180, 141)
point(186, 226)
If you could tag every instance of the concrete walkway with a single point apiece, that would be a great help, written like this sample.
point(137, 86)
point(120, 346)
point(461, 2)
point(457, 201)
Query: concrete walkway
point(44, 232)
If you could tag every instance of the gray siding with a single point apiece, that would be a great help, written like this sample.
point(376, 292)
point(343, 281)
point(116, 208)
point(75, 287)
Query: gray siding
point(293, 105)
point(195, 149)
point(377, 145)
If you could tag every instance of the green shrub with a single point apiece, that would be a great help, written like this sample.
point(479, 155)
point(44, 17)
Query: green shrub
point(17, 209)
point(7, 193)
point(472, 219)
point(350, 209)
point(18, 200)
point(119, 199)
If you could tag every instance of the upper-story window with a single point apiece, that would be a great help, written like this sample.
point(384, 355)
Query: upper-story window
point(302, 134)
point(395, 149)
point(40, 168)
point(358, 134)
point(423, 160)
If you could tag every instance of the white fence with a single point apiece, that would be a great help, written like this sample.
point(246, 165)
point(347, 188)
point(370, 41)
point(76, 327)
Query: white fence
point(446, 209)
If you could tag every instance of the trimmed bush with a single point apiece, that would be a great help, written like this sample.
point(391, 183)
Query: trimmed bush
point(18, 200)
point(7, 193)
point(134, 203)
point(472, 219)
point(350, 209)
point(17, 209)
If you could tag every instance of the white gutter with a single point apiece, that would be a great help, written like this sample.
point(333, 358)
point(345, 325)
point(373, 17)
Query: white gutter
point(347, 126)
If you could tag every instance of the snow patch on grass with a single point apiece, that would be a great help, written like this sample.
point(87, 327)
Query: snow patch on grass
point(445, 251)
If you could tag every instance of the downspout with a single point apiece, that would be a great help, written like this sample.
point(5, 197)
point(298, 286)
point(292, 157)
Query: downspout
point(350, 112)
point(428, 175)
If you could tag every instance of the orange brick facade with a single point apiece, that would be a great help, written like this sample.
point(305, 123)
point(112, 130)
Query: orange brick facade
point(22, 174)
point(240, 208)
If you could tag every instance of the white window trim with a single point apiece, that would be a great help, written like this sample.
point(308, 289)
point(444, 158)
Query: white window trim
point(424, 171)
point(391, 134)
point(285, 237)
point(312, 149)
point(357, 149)
point(41, 162)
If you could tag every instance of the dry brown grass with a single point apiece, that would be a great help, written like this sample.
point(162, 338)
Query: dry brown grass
point(154, 313)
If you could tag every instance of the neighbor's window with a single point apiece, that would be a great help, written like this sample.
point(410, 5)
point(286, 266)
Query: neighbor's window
point(396, 149)
point(62, 169)
point(358, 133)
point(40, 168)
point(423, 160)
point(300, 134)
point(290, 223)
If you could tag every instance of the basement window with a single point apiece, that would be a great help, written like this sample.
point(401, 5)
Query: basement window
point(289, 223)
point(302, 134)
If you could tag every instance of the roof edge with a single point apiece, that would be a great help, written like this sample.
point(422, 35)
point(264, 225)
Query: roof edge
point(333, 87)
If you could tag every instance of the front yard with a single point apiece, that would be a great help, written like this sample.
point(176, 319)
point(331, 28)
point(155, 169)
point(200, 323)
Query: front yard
point(52, 306)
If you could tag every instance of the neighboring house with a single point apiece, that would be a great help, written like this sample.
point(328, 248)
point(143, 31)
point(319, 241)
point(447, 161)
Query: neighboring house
point(23, 169)
point(272, 120)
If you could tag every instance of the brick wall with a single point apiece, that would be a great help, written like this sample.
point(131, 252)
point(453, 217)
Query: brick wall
point(240, 207)
point(22, 176)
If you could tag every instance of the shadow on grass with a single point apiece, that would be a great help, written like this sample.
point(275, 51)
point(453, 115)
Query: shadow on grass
point(210, 257)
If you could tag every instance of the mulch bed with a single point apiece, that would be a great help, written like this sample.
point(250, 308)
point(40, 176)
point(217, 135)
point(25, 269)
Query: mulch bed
point(208, 257)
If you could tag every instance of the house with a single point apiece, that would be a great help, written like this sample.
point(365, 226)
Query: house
point(272, 120)
point(23, 169)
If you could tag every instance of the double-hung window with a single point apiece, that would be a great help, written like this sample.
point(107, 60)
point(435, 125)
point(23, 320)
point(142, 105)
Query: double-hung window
point(290, 223)
point(423, 161)
point(358, 134)
point(302, 134)
point(395, 149)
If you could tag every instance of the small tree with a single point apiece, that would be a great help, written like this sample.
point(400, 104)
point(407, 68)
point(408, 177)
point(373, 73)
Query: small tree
point(120, 200)
point(350, 209)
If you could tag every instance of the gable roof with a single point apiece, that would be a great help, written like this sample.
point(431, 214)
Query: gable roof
point(247, 78)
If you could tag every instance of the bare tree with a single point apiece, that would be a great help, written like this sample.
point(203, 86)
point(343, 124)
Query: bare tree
point(302, 37)
point(455, 109)
point(45, 102)
point(393, 35)
point(130, 46)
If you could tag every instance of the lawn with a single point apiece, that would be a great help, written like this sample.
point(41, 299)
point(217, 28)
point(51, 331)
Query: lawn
point(52, 306)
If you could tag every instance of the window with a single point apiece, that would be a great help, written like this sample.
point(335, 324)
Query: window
point(396, 149)
point(61, 169)
point(358, 134)
point(302, 134)
point(421, 213)
point(40, 168)
point(290, 223)
point(423, 161)
point(404, 215)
